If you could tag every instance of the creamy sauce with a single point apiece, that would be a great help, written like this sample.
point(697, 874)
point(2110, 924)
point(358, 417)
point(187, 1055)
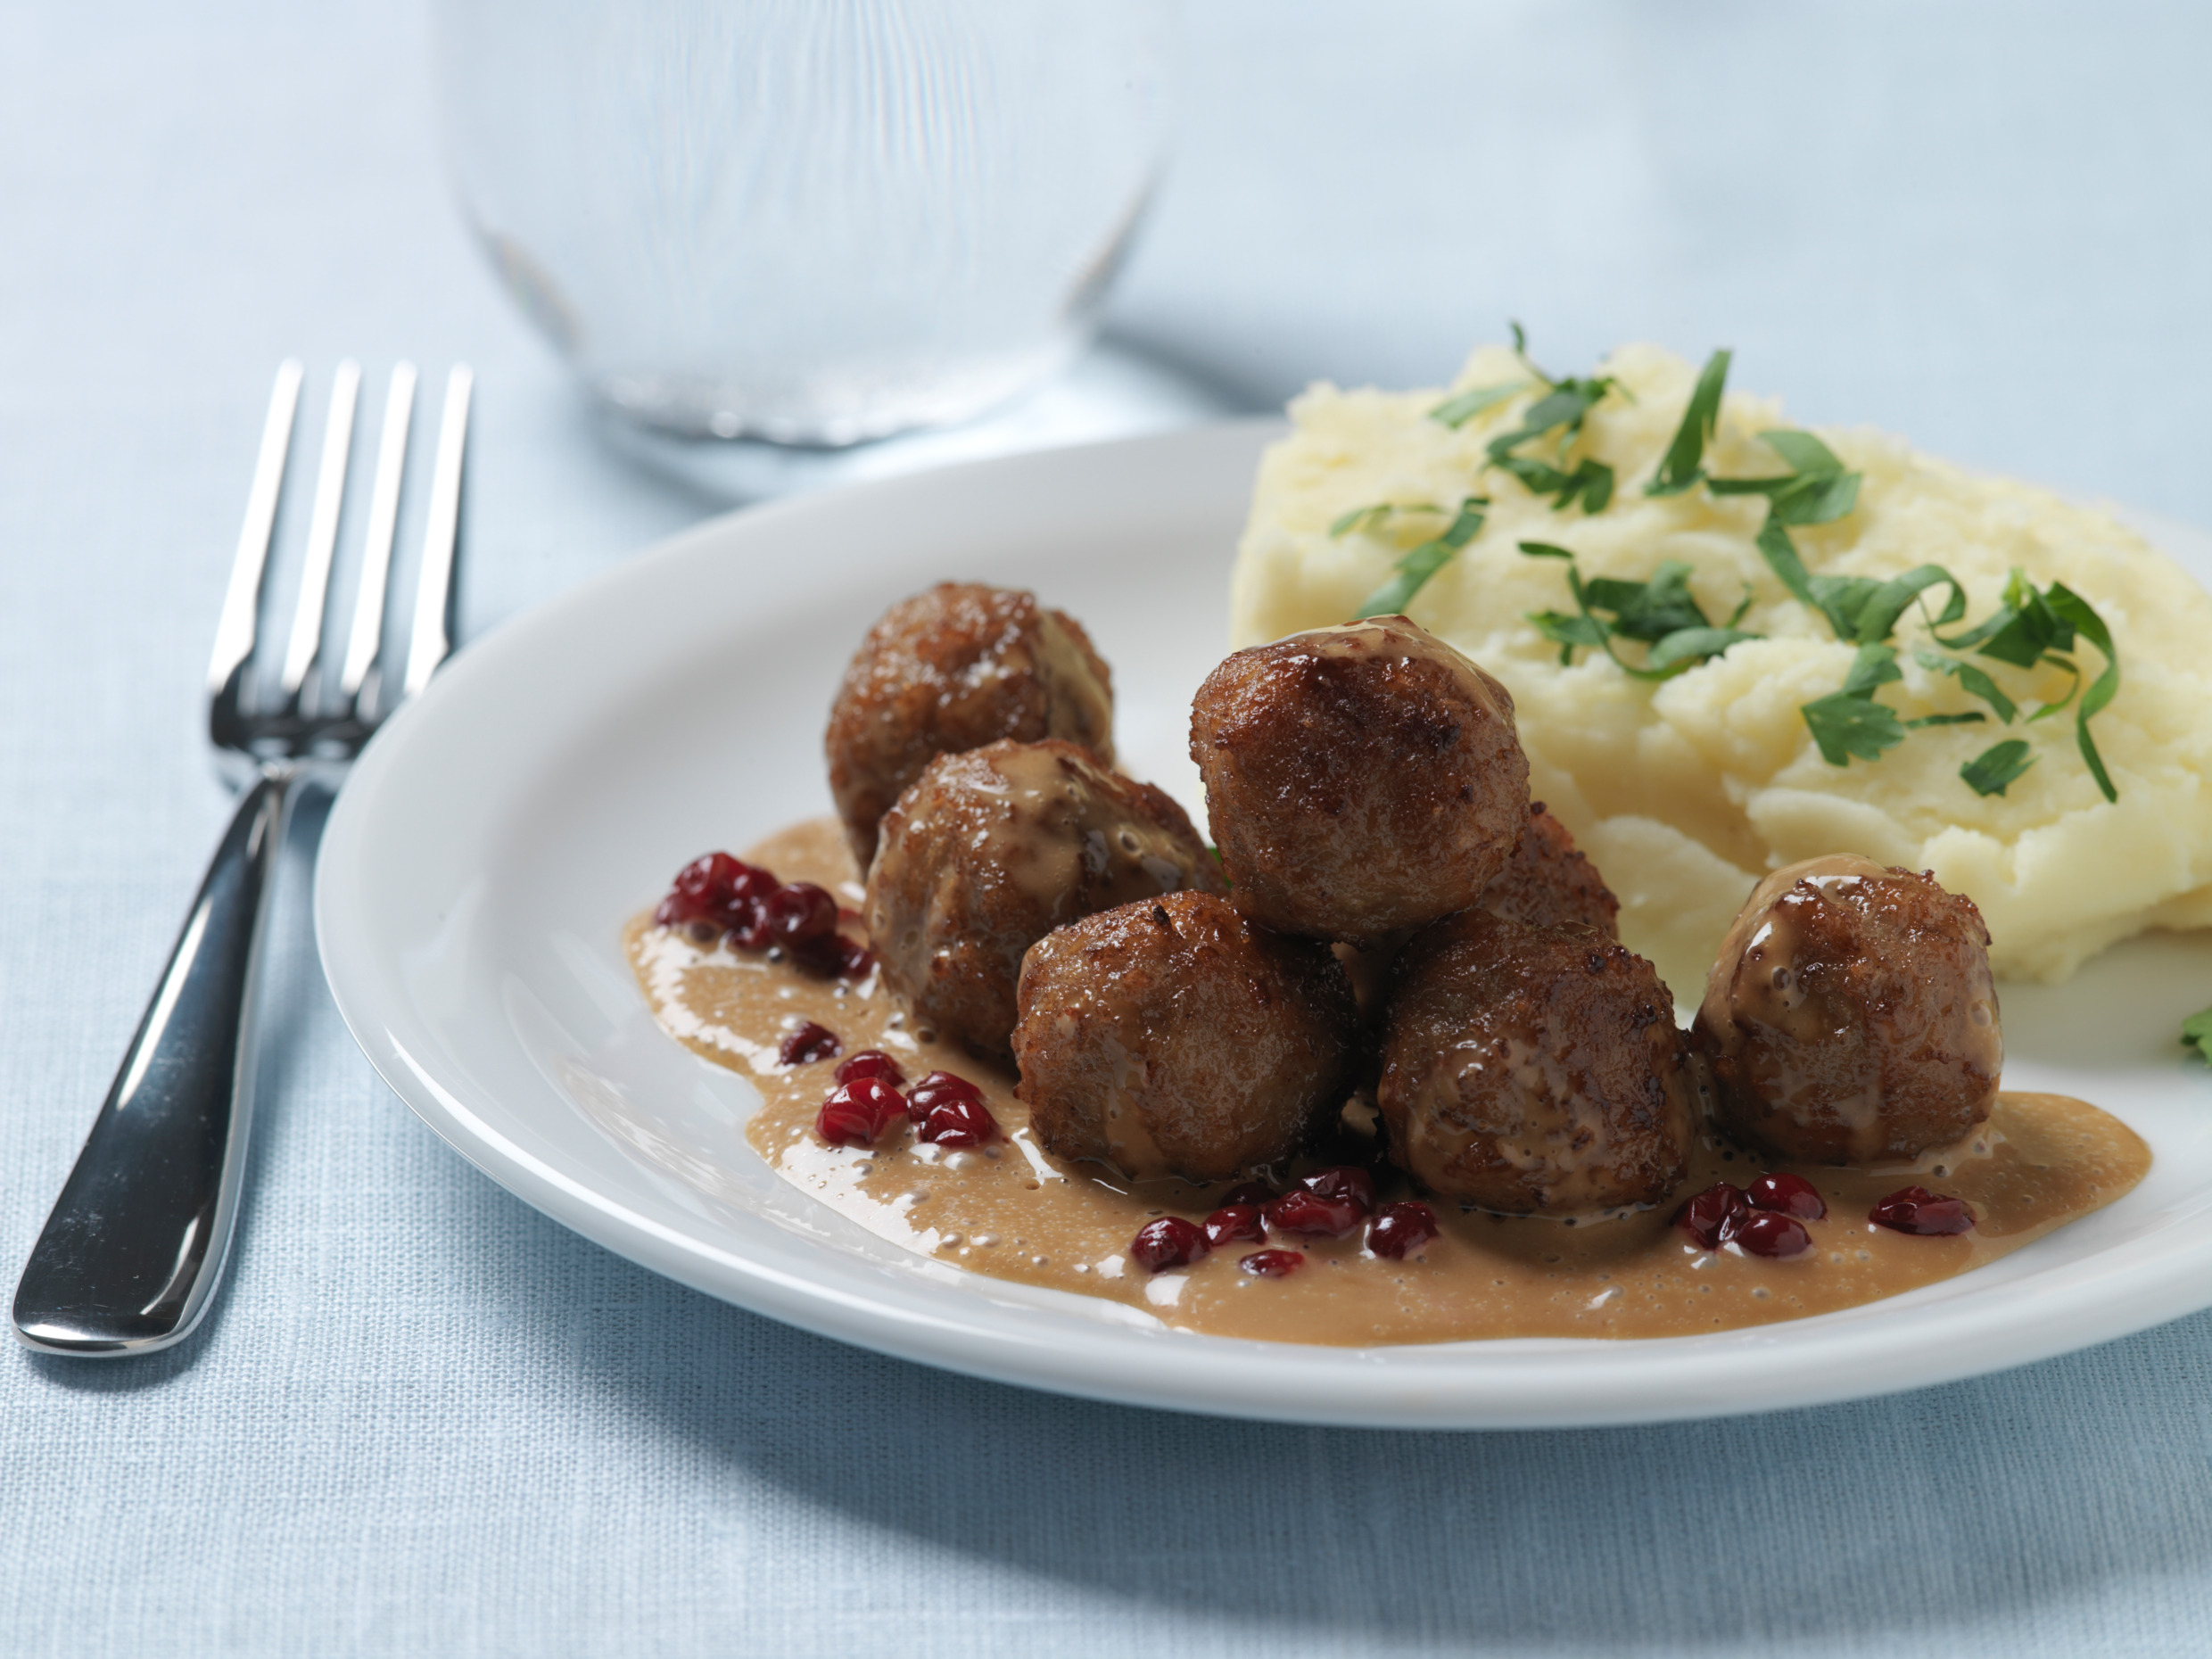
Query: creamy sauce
point(1012, 1210)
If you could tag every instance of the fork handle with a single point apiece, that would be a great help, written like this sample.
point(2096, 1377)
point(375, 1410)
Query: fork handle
point(135, 1246)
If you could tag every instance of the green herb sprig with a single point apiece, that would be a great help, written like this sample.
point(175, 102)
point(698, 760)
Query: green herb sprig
point(1370, 519)
point(1660, 612)
point(1417, 565)
point(1561, 410)
point(2030, 628)
point(2197, 1033)
point(1850, 723)
point(1457, 412)
point(1683, 465)
point(1995, 768)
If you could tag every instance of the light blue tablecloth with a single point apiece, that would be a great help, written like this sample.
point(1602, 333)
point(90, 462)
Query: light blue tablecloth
point(426, 1420)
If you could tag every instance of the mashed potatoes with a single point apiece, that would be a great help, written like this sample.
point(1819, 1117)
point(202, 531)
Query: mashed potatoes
point(1683, 791)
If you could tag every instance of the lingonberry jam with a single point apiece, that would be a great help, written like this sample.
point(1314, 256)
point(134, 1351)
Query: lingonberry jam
point(1343, 1184)
point(1787, 1194)
point(1763, 1233)
point(1169, 1241)
point(712, 890)
point(1403, 1229)
point(871, 1062)
point(799, 916)
point(937, 1089)
point(718, 895)
point(807, 1043)
point(1916, 1210)
point(1258, 1194)
point(1234, 1222)
point(956, 1122)
point(1713, 1216)
point(1305, 1211)
point(1273, 1264)
point(857, 1112)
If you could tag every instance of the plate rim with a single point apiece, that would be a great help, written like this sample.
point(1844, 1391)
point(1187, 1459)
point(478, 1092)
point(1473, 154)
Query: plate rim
point(1809, 1362)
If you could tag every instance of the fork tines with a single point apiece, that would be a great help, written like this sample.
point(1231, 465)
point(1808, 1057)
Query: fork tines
point(303, 712)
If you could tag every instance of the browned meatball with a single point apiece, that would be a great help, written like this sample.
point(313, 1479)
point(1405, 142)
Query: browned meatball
point(1175, 1038)
point(992, 849)
point(1534, 1070)
point(1851, 1017)
point(953, 669)
point(1360, 779)
point(1549, 882)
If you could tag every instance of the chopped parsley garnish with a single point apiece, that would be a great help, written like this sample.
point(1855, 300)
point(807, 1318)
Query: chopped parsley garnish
point(1817, 489)
point(1411, 571)
point(1684, 463)
point(2197, 1033)
point(1850, 722)
point(1993, 770)
point(1558, 416)
point(1561, 411)
point(1973, 680)
point(1660, 612)
point(1365, 519)
point(1457, 412)
point(2031, 629)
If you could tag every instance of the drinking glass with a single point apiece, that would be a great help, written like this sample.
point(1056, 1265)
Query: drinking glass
point(815, 222)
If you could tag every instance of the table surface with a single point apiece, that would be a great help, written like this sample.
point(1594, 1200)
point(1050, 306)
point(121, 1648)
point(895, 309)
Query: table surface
point(422, 1418)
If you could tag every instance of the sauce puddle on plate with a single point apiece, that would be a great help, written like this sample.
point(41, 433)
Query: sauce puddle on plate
point(1012, 1210)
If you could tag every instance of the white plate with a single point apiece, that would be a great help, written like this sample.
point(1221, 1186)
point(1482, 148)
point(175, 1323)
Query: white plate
point(478, 867)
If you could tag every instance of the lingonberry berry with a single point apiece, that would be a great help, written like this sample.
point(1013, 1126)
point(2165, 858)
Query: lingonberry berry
point(957, 1122)
point(1916, 1210)
point(857, 1112)
point(1343, 1184)
point(1303, 1211)
point(1402, 1230)
point(871, 1062)
point(806, 1042)
point(936, 1088)
point(1169, 1241)
point(1232, 1222)
point(1713, 1216)
point(799, 916)
point(1787, 1194)
point(1764, 1233)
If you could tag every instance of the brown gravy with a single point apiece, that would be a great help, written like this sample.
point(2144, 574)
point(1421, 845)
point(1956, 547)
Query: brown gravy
point(1014, 1212)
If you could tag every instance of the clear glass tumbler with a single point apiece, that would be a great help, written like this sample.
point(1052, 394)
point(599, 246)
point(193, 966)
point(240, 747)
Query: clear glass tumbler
point(810, 222)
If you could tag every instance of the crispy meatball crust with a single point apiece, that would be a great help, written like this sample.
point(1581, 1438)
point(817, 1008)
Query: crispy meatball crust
point(1534, 1070)
point(992, 849)
point(1549, 882)
point(1359, 779)
point(1173, 1037)
point(1851, 1017)
point(951, 669)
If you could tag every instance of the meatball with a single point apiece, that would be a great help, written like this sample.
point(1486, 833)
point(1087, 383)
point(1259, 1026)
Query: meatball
point(1549, 882)
point(1173, 1037)
point(1534, 1070)
point(1851, 1017)
point(992, 849)
point(1360, 779)
point(953, 669)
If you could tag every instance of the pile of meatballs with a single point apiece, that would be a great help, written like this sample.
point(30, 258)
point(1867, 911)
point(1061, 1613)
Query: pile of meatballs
point(1390, 933)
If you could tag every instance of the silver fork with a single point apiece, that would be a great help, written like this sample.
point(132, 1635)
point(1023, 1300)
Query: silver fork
point(135, 1246)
